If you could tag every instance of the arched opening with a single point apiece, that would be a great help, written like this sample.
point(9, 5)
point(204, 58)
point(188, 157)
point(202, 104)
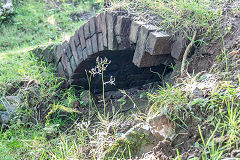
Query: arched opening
point(126, 74)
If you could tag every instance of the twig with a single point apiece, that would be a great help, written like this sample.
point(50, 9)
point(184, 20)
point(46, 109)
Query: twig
point(187, 51)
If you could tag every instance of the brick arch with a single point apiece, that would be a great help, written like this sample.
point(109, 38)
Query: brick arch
point(111, 32)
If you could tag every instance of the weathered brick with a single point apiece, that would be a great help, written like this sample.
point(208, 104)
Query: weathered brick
point(89, 47)
point(111, 22)
point(85, 56)
point(86, 29)
point(76, 38)
point(74, 50)
point(179, 46)
point(68, 51)
point(138, 59)
point(73, 63)
point(61, 71)
point(134, 30)
point(66, 65)
point(64, 46)
point(104, 29)
point(154, 60)
point(58, 53)
point(118, 27)
point(92, 24)
point(100, 42)
point(99, 23)
point(82, 38)
point(94, 43)
point(158, 43)
point(122, 31)
point(80, 53)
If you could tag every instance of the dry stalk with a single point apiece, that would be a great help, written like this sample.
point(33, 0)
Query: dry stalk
point(187, 52)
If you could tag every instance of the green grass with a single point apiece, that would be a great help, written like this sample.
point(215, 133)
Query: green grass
point(176, 16)
point(220, 110)
point(63, 134)
point(26, 136)
point(35, 22)
point(19, 142)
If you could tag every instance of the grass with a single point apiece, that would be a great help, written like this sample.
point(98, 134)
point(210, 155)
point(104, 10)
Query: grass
point(32, 133)
point(219, 109)
point(36, 22)
point(54, 131)
point(176, 16)
point(59, 131)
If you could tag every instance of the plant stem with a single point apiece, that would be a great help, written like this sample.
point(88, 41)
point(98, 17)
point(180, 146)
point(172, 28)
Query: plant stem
point(187, 51)
point(104, 104)
point(225, 55)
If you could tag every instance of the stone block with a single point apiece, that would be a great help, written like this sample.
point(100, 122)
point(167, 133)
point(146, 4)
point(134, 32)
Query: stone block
point(89, 47)
point(138, 59)
point(85, 56)
point(104, 29)
point(134, 30)
point(61, 71)
point(122, 31)
point(58, 53)
point(66, 65)
point(148, 60)
point(74, 51)
point(86, 29)
point(123, 25)
point(99, 23)
point(111, 22)
point(161, 127)
point(94, 43)
point(158, 43)
point(100, 42)
point(80, 53)
point(81, 37)
point(68, 51)
point(73, 63)
point(179, 46)
point(92, 23)
point(76, 38)
point(64, 46)
point(118, 27)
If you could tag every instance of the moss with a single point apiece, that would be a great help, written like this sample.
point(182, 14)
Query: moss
point(2, 107)
point(128, 147)
point(122, 148)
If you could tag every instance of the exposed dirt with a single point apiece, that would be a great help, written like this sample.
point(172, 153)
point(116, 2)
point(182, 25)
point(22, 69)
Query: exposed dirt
point(207, 57)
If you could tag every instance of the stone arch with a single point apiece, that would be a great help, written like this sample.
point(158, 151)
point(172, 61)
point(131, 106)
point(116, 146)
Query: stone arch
point(111, 31)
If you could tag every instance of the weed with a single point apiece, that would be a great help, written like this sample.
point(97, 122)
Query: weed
point(99, 69)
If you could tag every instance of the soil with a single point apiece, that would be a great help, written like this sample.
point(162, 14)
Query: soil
point(206, 57)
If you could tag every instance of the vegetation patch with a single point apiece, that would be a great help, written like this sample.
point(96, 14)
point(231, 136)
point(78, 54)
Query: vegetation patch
point(54, 122)
point(38, 22)
point(176, 16)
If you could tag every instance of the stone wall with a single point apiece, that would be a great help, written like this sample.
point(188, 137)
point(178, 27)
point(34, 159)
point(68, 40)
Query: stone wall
point(110, 31)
